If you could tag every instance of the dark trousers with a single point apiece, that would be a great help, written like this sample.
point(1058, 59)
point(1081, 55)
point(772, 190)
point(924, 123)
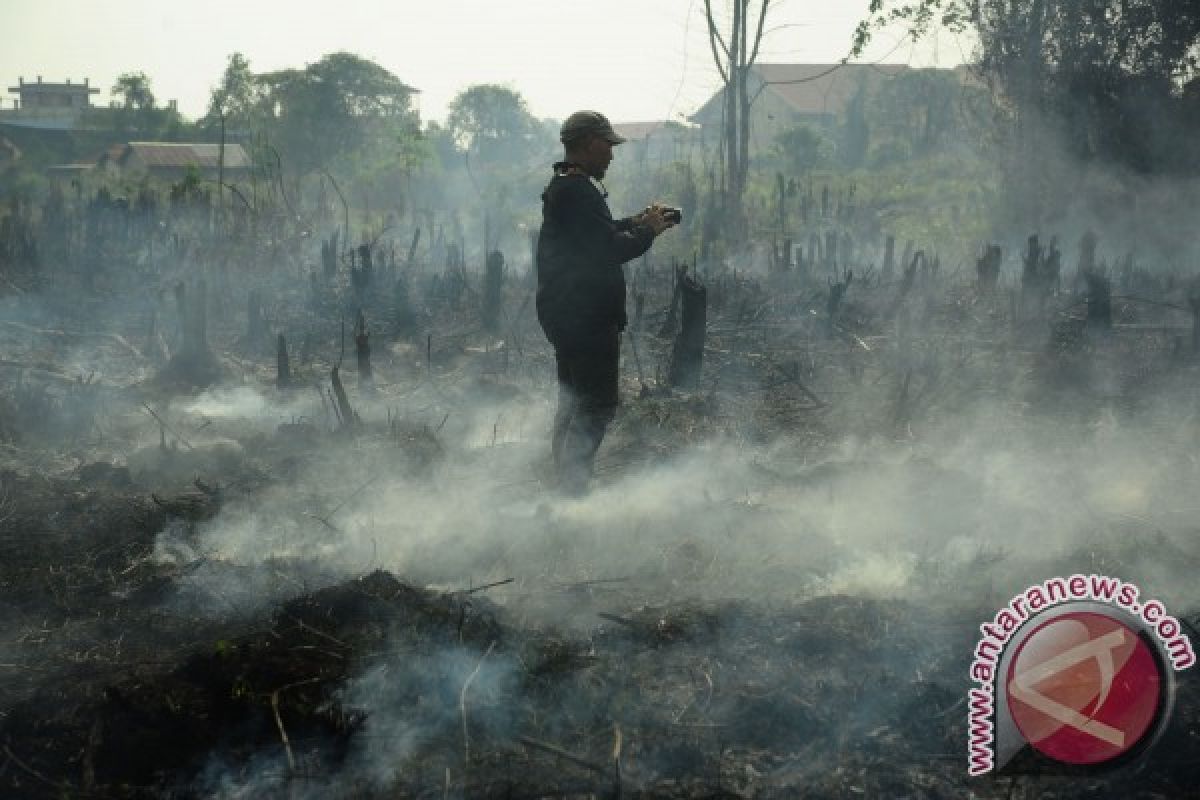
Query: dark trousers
point(587, 403)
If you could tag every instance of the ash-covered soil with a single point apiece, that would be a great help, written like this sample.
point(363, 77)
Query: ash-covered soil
point(774, 589)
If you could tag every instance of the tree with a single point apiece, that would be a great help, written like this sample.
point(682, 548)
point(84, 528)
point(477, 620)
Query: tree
point(135, 111)
point(800, 148)
point(1092, 71)
point(132, 89)
point(856, 131)
point(237, 98)
point(339, 105)
point(917, 110)
point(492, 122)
point(734, 54)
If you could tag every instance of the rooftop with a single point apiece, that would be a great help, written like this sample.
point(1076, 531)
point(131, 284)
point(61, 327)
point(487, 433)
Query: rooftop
point(44, 86)
point(180, 154)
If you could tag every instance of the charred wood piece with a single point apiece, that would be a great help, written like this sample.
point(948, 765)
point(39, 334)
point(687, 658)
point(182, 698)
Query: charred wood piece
point(987, 267)
point(687, 353)
point(1099, 302)
point(362, 351)
point(493, 291)
point(837, 291)
point(283, 370)
point(889, 258)
point(347, 417)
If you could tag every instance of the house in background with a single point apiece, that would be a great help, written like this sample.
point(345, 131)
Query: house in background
point(656, 141)
point(786, 95)
point(173, 160)
point(48, 106)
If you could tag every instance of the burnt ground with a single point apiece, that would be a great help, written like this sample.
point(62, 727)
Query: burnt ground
point(715, 670)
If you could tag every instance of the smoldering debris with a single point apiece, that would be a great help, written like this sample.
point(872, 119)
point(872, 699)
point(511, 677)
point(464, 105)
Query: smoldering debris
point(751, 601)
point(226, 573)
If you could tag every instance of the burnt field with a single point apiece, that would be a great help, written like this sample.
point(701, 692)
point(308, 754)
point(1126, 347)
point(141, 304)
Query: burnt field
point(276, 518)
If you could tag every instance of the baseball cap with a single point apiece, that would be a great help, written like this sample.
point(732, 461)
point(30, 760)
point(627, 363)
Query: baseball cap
point(588, 123)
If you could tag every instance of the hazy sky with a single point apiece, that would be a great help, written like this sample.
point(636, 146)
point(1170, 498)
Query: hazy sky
point(633, 59)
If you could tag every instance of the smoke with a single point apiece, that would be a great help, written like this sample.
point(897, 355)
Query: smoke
point(724, 518)
point(248, 404)
point(950, 495)
point(411, 702)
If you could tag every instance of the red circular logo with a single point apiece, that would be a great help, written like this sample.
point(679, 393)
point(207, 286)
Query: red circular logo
point(1084, 688)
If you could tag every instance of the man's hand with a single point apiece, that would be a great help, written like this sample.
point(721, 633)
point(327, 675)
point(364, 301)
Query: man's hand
point(655, 219)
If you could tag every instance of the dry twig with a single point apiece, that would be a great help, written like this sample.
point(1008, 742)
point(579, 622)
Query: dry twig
point(462, 705)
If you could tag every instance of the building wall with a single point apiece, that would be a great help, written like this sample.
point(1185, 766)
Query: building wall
point(770, 116)
point(38, 97)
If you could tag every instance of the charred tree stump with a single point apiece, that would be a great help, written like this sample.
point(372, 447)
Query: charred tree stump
point(889, 258)
point(347, 417)
point(1194, 302)
point(1032, 278)
point(687, 353)
point(831, 252)
point(837, 291)
point(781, 200)
point(987, 267)
point(362, 351)
point(283, 369)
point(1099, 303)
point(454, 282)
point(362, 275)
point(405, 314)
point(412, 250)
point(1052, 268)
point(193, 363)
point(329, 256)
point(672, 321)
point(493, 291)
point(906, 283)
point(1087, 257)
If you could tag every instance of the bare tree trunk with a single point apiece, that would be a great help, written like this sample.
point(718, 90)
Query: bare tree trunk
point(889, 258)
point(740, 52)
point(283, 369)
point(362, 351)
point(687, 353)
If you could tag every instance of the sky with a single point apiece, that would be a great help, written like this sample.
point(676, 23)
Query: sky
point(632, 59)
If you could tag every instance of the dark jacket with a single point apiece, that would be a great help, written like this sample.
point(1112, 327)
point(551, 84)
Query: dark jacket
point(581, 288)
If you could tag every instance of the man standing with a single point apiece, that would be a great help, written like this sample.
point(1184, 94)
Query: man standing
point(581, 290)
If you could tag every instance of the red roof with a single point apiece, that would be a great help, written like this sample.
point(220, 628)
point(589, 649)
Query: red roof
point(809, 88)
point(821, 88)
point(175, 155)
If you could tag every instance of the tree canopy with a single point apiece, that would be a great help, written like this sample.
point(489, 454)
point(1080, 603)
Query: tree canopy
point(492, 121)
point(135, 111)
point(1095, 70)
point(340, 106)
point(237, 98)
point(132, 90)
